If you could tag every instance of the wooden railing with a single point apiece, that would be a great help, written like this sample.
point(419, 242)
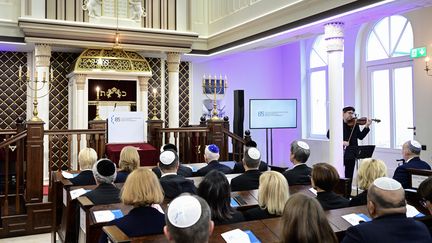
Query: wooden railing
point(12, 150)
point(237, 143)
point(190, 141)
point(94, 138)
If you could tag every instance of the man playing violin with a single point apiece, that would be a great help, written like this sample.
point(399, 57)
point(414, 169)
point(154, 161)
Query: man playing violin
point(352, 132)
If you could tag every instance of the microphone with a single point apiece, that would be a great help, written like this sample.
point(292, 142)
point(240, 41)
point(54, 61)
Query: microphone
point(115, 105)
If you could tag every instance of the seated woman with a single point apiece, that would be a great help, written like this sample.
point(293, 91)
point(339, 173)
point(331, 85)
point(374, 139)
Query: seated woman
point(143, 191)
point(324, 179)
point(368, 171)
point(129, 161)
point(215, 189)
point(86, 159)
point(304, 220)
point(273, 193)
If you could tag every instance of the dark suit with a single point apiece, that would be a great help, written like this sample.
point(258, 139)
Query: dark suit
point(246, 181)
point(360, 199)
point(138, 222)
point(182, 170)
point(174, 185)
point(257, 213)
point(214, 165)
point(84, 178)
point(104, 194)
point(356, 134)
point(401, 173)
point(388, 228)
point(121, 176)
point(238, 167)
point(331, 200)
point(299, 175)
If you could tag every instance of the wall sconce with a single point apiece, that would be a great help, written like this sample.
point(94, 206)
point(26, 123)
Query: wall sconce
point(427, 68)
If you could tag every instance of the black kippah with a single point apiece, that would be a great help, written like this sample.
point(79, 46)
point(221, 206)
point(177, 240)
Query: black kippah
point(348, 108)
point(105, 167)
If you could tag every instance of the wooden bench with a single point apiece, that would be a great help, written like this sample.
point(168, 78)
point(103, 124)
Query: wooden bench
point(417, 176)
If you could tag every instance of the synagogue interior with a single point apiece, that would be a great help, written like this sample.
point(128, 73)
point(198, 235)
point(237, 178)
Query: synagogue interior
point(228, 80)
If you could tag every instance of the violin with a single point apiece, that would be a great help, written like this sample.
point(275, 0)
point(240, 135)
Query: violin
point(360, 121)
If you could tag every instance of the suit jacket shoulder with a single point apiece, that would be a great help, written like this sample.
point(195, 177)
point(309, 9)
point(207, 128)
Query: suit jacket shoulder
point(299, 175)
point(174, 185)
point(84, 178)
point(246, 181)
point(104, 194)
point(214, 165)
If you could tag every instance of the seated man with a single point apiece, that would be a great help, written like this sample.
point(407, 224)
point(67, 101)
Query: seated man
point(387, 207)
point(182, 170)
point(249, 180)
point(300, 173)
point(173, 184)
point(425, 192)
point(211, 156)
point(106, 192)
point(188, 219)
point(86, 159)
point(238, 166)
point(411, 154)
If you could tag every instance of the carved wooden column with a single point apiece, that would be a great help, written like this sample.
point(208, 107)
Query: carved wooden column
point(34, 174)
point(334, 36)
point(99, 142)
point(216, 136)
point(153, 137)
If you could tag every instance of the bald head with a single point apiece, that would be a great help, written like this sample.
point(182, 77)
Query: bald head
point(385, 197)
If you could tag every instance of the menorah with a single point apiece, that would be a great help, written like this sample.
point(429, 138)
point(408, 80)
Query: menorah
point(35, 86)
point(214, 86)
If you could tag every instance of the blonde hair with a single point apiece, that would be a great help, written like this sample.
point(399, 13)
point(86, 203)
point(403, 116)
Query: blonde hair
point(369, 170)
point(86, 158)
point(129, 159)
point(142, 188)
point(273, 192)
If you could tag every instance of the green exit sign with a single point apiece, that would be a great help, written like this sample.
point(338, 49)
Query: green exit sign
point(418, 52)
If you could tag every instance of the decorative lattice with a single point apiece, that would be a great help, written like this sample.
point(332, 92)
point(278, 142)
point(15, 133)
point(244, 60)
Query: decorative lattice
point(58, 105)
point(184, 94)
point(166, 83)
point(13, 93)
point(154, 82)
point(112, 59)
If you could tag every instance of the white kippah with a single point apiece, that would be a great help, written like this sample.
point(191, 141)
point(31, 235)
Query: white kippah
point(184, 211)
point(302, 145)
point(414, 146)
point(254, 153)
point(387, 184)
point(167, 157)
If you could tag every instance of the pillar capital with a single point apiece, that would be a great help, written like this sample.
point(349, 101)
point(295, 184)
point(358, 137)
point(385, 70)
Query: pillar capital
point(143, 83)
point(334, 36)
point(42, 55)
point(173, 60)
point(80, 80)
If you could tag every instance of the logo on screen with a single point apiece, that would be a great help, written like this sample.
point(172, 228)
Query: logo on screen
point(261, 113)
point(114, 119)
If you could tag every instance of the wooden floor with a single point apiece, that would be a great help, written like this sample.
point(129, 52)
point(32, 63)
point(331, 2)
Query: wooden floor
point(42, 238)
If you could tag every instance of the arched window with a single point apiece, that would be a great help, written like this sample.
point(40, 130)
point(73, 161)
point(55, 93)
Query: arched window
point(317, 89)
point(390, 80)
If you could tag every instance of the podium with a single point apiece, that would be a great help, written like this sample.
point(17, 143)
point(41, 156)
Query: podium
point(358, 152)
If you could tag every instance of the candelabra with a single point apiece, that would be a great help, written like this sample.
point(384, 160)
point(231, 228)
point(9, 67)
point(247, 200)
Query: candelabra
point(154, 110)
point(214, 86)
point(427, 68)
point(97, 118)
point(35, 86)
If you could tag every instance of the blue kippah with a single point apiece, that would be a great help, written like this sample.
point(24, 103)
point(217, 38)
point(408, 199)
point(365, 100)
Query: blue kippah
point(213, 148)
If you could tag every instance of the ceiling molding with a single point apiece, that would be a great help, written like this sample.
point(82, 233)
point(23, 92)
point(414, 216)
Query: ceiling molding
point(87, 35)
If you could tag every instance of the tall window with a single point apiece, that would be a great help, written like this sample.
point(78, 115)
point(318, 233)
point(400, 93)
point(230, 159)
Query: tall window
point(317, 89)
point(391, 81)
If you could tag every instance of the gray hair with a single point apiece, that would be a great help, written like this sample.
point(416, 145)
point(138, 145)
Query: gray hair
point(300, 154)
point(103, 179)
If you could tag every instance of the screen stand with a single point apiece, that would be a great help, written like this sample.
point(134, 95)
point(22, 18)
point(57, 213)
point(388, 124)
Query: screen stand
point(270, 162)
